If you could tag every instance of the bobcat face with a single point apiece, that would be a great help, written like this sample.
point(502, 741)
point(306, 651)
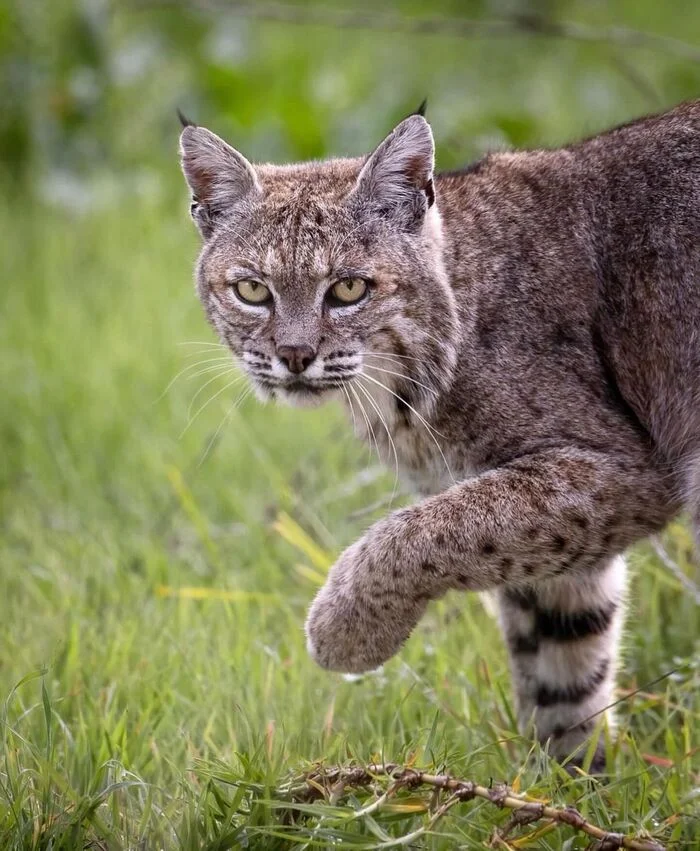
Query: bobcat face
point(327, 277)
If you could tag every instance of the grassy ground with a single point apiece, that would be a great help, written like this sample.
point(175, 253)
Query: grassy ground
point(157, 692)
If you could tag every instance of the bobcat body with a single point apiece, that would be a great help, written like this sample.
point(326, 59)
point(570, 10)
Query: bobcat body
point(520, 339)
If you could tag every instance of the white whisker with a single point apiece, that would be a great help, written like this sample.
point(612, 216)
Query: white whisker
point(370, 430)
point(212, 351)
point(388, 434)
point(405, 378)
point(431, 431)
point(350, 405)
point(204, 387)
point(393, 356)
point(186, 369)
point(210, 400)
point(223, 368)
point(227, 416)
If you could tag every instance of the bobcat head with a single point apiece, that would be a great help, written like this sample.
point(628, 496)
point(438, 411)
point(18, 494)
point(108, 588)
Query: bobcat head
point(319, 273)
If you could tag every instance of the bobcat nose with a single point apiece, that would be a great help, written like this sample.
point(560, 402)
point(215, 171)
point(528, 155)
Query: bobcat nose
point(296, 358)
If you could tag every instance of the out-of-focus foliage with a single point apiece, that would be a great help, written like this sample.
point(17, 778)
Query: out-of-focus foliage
point(91, 86)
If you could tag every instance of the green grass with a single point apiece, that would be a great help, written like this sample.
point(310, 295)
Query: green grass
point(136, 717)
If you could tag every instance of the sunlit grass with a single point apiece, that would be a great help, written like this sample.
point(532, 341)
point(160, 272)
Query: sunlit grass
point(157, 688)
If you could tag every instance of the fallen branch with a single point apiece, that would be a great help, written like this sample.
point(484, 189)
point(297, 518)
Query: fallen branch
point(328, 782)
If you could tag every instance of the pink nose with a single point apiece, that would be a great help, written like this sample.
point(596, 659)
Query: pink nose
point(296, 358)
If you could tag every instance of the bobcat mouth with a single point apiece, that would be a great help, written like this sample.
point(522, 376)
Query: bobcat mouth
point(298, 388)
point(304, 387)
point(297, 393)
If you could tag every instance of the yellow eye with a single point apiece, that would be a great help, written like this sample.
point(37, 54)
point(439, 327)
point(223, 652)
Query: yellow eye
point(348, 291)
point(253, 292)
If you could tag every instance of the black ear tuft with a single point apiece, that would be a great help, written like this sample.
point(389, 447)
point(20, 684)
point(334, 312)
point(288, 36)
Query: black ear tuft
point(184, 120)
point(421, 109)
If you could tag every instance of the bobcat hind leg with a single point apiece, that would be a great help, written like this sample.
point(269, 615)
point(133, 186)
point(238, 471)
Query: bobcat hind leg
point(562, 637)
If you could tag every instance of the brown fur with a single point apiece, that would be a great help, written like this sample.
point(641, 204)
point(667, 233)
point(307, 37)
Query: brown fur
point(537, 333)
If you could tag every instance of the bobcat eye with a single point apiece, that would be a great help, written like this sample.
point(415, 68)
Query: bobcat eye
point(252, 292)
point(347, 291)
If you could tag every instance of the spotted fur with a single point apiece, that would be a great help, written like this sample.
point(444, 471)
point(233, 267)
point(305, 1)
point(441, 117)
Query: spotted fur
point(526, 351)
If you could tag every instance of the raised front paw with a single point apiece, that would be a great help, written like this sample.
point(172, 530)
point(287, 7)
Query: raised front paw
point(366, 610)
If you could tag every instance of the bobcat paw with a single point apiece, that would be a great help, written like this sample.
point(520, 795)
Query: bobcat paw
point(364, 612)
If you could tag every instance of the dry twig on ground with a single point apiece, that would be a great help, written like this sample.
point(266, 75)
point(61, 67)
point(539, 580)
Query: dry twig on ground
point(331, 783)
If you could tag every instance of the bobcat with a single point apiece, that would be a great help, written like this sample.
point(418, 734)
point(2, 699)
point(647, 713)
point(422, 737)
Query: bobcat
point(521, 339)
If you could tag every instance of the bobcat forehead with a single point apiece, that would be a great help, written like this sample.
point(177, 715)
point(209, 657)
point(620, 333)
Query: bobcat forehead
point(317, 183)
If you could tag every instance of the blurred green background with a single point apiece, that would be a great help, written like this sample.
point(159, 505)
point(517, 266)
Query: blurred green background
point(158, 546)
point(90, 87)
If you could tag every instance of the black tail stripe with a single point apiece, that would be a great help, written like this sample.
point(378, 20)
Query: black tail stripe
point(575, 692)
point(523, 643)
point(524, 598)
point(558, 626)
point(570, 626)
point(584, 728)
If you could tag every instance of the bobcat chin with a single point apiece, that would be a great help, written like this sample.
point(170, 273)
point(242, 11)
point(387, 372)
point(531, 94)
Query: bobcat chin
point(520, 339)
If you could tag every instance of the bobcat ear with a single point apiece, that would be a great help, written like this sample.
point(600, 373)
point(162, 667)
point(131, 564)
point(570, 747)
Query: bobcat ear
point(217, 175)
point(397, 179)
